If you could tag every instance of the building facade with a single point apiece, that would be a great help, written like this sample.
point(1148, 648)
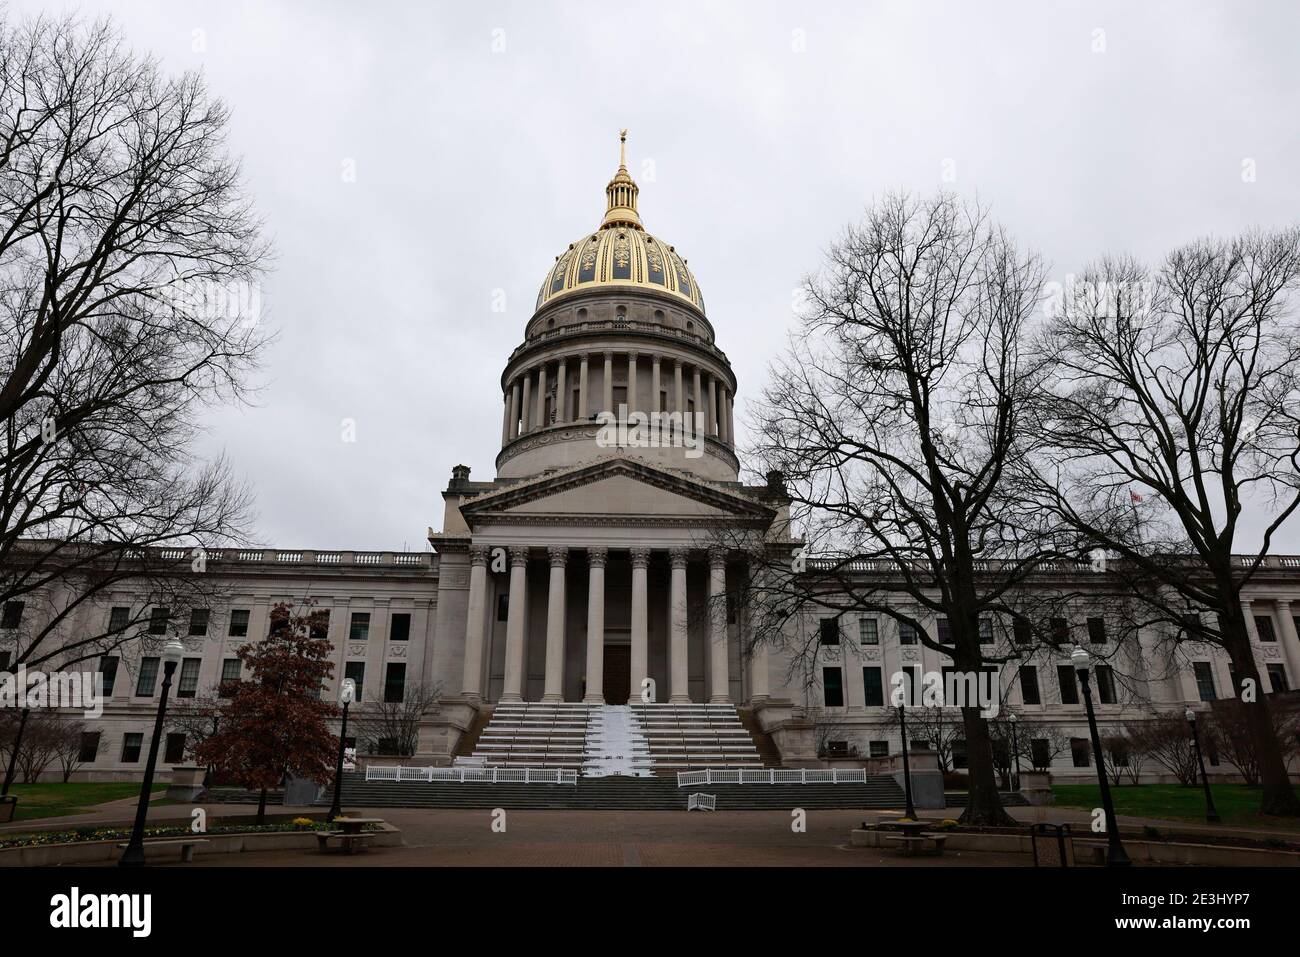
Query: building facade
point(591, 567)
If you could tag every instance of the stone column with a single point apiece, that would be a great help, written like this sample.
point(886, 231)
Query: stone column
point(609, 382)
point(526, 404)
point(758, 664)
point(654, 383)
point(516, 624)
point(561, 395)
point(584, 411)
point(541, 396)
point(505, 418)
point(596, 558)
point(713, 406)
point(475, 623)
point(631, 382)
point(1290, 641)
point(640, 669)
point(514, 408)
point(697, 422)
point(554, 688)
point(731, 423)
point(678, 666)
point(719, 680)
point(678, 399)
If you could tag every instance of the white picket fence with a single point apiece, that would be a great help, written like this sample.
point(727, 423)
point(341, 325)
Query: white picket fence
point(702, 802)
point(468, 774)
point(772, 776)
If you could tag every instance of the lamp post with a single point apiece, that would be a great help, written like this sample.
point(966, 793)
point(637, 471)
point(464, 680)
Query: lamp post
point(1211, 813)
point(1115, 855)
point(1015, 751)
point(907, 768)
point(133, 856)
point(347, 694)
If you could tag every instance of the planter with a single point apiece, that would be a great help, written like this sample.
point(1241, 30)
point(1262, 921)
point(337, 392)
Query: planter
point(8, 805)
point(186, 784)
point(1036, 786)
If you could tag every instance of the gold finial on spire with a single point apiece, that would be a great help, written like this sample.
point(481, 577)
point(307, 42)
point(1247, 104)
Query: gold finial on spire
point(620, 208)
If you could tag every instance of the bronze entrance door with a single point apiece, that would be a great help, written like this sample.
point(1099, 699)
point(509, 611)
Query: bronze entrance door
point(618, 673)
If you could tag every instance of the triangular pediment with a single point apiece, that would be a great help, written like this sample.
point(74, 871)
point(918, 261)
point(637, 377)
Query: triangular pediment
point(619, 487)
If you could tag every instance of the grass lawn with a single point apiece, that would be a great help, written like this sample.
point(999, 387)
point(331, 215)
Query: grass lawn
point(1237, 804)
point(55, 799)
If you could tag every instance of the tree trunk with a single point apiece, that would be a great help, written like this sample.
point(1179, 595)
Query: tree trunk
point(1278, 796)
point(261, 807)
point(983, 803)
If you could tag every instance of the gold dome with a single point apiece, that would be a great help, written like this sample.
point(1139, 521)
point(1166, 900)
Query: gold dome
point(620, 253)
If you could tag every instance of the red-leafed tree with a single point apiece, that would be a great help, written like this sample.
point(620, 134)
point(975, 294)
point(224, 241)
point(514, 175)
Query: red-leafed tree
point(274, 724)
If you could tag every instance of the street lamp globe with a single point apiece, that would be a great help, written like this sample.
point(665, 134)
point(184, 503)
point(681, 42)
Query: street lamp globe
point(1013, 718)
point(348, 693)
point(1081, 660)
point(1190, 715)
point(172, 651)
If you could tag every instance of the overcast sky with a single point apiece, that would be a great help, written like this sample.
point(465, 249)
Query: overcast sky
point(482, 136)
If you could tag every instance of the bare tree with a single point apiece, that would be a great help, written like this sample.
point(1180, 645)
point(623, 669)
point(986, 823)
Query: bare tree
point(1174, 406)
point(69, 736)
point(397, 723)
point(942, 728)
point(894, 421)
point(1166, 740)
point(41, 744)
point(123, 232)
point(1228, 732)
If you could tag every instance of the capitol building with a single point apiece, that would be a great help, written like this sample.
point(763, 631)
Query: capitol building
point(584, 576)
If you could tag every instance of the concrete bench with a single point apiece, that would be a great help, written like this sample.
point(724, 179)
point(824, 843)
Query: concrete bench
point(348, 843)
point(910, 844)
point(186, 844)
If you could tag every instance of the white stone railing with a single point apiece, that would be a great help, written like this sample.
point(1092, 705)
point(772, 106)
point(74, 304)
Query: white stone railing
point(463, 775)
point(772, 776)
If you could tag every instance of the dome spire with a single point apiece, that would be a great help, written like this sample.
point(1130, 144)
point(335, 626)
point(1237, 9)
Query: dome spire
point(620, 194)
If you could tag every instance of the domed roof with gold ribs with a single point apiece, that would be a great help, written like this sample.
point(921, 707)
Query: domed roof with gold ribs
point(620, 253)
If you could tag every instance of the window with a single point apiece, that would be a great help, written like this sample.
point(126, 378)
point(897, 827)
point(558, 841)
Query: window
point(829, 630)
point(360, 629)
point(198, 621)
point(174, 752)
point(878, 749)
point(12, 614)
point(147, 678)
point(959, 759)
point(279, 624)
point(1029, 693)
point(238, 623)
point(874, 689)
point(1040, 755)
point(1021, 631)
point(231, 670)
point(319, 629)
point(395, 683)
point(118, 619)
point(1081, 752)
point(906, 633)
point(1263, 625)
point(1105, 684)
point(1204, 680)
point(868, 631)
point(1097, 630)
point(356, 670)
point(189, 683)
point(1059, 629)
point(911, 685)
point(944, 630)
point(832, 688)
point(89, 747)
point(503, 606)
point(4, 660)
point(732, 609)
point(1277, 678)
point(986, 631)
point(108, 670)
point(1068, 680)
point(386, 746)
point(400, 629)
point(158, 620)
point(131, 742)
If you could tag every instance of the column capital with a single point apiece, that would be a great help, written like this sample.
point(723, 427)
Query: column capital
point(640, 557)
point(518, 555)
point(658, 357)
point(679, 556)
point(609, 355)
point(583, 357)
point(559, 555)
point(717, 556)
point(478, 554)
point(597, 557)
point(1282, 603)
